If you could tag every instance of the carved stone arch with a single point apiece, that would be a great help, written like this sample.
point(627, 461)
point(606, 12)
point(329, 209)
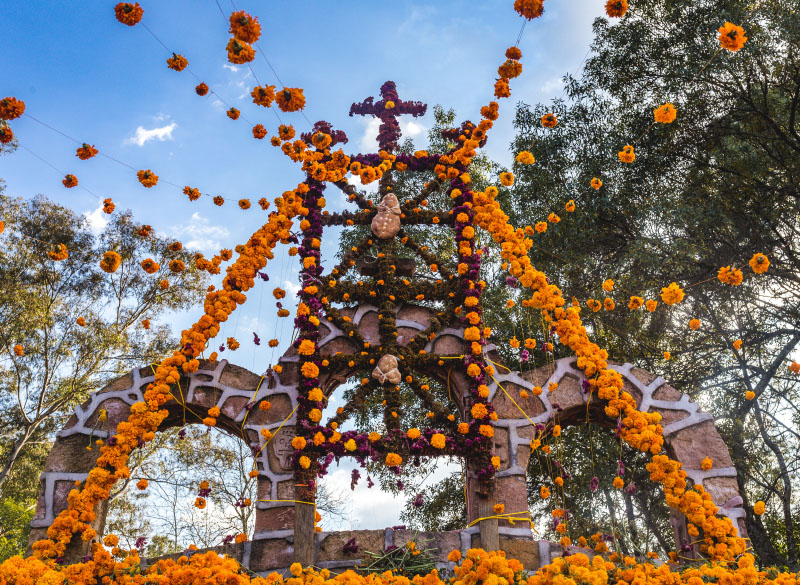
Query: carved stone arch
point(689, 433)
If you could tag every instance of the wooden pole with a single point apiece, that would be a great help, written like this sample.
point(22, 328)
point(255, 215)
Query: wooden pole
point(490, 535)
point(304, 534)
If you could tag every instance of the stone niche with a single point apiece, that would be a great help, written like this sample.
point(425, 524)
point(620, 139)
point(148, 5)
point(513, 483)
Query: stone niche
point(689, 433)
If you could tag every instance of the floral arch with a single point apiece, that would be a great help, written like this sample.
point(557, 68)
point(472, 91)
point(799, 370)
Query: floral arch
point(689, 435)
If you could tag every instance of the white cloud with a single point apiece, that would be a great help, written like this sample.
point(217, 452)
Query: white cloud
point(202, 234)
point(233, 68)
point(143, 135)
point(96, 219)
point(552, 84)
point(411, 129)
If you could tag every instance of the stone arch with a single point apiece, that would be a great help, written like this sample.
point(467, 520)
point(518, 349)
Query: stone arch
point(689, 435)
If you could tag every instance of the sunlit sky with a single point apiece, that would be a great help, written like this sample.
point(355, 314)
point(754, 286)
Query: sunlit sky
point(98, 81)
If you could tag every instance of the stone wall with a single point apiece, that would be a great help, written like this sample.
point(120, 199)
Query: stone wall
point(690, 436)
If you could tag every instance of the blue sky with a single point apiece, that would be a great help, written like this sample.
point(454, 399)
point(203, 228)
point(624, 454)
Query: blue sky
point(104, 83)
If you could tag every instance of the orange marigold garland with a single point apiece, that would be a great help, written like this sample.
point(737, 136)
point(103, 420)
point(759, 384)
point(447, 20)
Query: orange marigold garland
point(11, 108)
point(240, 52)
point(70, 181)
point(259, 132)
point(263, 95)
point(290, 99)
point(201, 89)
point(244, 203)
point(627, 155)
point(108, 206)
point(127, 13)
point(616, 8)
point(150, 266)
point(177, 62)
point(233, 113)
point(86, 151)
point(147, 178)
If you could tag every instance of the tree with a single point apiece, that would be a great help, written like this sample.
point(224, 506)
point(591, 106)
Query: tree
point(68, 327)
point(709, 190)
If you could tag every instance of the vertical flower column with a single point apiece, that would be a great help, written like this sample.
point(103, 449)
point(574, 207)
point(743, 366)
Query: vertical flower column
point(310, 397)
point(479, 433)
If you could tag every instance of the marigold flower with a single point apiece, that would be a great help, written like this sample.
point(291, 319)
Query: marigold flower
point(200, 503)
point(737, 344)
point(232, 344)
point(299, 443)
point(192, 193)
point(306, 347)
point(618, 483)
point(549, 120)
point(86, 151)
point(570, 206)
point(544, 492)
point(540, 227)
point(513, 53)
point(667, 355)
point(81, 321)
point(731, 276)
point(59, 254)
point(164, 284)
point(438, 441)
point(759, 263)
point(233, 113)
point(11, 108)
point(146, 323)
point(142, 484)
point(177, 266)
point(609, 304)
point(627, 155)
point(731, 37)
point(218, 200)
point(6, 134)
point(794, 367)
point(70, 181)
point(596, 183)
point(147, 178)
point(486, 430)
point(510, 69)
point(672, 294)
point(259, 132)
point(553, 218)
point(201, 89)
point(759, 508)
point(309, 370)
point(128, 13)
point(177, 62)
point(525, 158)
point(150, 266)
point(706, 464)
point(263, 95)
point(240, 52)
point(529, 9)
point(245, 27)
point(694, 324)
point(413, 434)
point(501, 88)
point(616, 8)
point(651, 305)
point(393, 459)
point(608, 285)
point(635, 303)
point(19, 350)
point(290, 99)
point(665, 113)
point(495, 461)
point(108, 206)
point(110, 261)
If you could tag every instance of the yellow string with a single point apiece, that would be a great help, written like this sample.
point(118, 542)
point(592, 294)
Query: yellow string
point(291, 502)
point(252, 398)
point(275, 433)
point(182, 401)
point(512, 400)
point(510, 516)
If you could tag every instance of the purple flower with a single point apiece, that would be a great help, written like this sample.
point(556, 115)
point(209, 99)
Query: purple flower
point(525, 355)
point(370, 483)
point(594, 483)
point(630, 488)
point(256, 338)
point(350, 547)
point(354, 477)
point(265, 277)
point(511, 281)
point(140, 542)
point(620, 468)
point(586, 386)
point(418, 501)
point(222, 348)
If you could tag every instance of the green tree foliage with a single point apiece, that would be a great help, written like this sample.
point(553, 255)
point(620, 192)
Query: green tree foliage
point(709, 190)
point(43, 299)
